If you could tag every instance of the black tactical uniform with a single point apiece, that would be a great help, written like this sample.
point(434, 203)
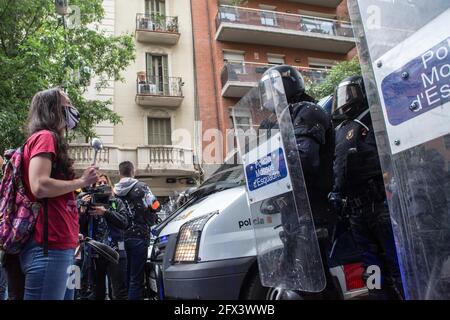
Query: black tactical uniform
point(358, 179)
point(314, 135)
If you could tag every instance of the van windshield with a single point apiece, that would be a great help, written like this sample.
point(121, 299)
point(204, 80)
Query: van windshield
point(226, 173)
point(226, 177)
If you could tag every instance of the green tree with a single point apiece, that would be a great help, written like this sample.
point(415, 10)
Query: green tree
point(338, 72)
point(38, 52)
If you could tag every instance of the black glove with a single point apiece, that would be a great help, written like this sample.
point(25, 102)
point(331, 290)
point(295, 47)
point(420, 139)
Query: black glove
point(336, 203)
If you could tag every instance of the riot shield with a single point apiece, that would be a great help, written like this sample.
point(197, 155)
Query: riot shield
point(404, 48)
point(286, 241)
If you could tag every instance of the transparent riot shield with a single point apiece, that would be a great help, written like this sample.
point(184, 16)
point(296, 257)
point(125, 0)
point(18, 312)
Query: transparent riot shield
point(286, 241)
point(404, 48)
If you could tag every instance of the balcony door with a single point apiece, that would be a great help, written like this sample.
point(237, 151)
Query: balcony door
point(268, 18)
point(158, 72)
point(155, 7)
point(159, 131)
point(156, 10)
point(236, 61)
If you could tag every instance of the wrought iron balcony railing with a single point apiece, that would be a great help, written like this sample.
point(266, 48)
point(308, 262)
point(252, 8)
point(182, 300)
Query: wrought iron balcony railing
point(160, 86)
point(156, 22)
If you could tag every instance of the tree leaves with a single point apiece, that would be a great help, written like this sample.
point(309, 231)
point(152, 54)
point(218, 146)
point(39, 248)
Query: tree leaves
point(339, 72)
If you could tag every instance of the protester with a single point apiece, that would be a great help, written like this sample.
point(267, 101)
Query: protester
point(138, 199)
point(48, 174)
point(107, 225)
point(3, 283)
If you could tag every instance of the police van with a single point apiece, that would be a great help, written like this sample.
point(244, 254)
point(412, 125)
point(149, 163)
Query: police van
point(206, 249)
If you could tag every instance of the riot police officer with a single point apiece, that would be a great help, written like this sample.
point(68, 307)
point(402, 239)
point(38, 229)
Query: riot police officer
point(315, 143)
point(358, 183)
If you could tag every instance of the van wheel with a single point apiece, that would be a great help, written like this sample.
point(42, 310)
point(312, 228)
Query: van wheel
point(255, 290)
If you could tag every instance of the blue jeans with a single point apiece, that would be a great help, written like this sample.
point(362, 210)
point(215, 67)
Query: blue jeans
point(46, 277)
point(3, 285)
point(137, 250)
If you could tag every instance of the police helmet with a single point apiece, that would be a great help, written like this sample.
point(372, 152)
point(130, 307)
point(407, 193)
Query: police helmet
point(350, 98)
point(293, 82)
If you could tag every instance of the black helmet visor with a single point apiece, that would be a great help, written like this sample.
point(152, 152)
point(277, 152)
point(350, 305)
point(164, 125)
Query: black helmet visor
point(346, 95)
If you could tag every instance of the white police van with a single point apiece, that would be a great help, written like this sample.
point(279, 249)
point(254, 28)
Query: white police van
point(206, 250)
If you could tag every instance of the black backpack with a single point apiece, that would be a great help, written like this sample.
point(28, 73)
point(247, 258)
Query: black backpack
point(141, 217)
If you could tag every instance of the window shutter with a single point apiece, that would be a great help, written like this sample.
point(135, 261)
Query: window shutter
point(233, 56)
point(165, 76)
point(159, 131)
point(149, 65)
point(275, 59)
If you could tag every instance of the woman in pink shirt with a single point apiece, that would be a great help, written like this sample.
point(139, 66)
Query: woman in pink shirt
point(48, 174)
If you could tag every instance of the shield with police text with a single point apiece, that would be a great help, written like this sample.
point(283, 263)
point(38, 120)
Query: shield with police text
point(404, 49)
point(286, 240)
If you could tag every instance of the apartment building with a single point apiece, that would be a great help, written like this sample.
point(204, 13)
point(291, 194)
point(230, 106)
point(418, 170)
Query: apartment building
point(236, 41)
point(157, 99)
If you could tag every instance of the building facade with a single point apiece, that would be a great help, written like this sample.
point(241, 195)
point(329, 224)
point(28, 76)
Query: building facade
point(236, 41)
point(157, 99)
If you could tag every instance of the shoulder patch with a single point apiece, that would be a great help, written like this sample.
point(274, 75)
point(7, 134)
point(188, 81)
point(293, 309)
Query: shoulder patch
point(350, 134)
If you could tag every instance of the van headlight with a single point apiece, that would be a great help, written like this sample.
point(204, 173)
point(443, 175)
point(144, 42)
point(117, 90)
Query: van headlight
point(188, 239)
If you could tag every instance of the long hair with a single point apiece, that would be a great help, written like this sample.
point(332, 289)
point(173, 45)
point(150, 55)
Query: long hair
point(47, 113)
point(103, 175)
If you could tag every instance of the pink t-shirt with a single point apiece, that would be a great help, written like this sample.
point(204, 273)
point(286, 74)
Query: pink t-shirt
point(62, 211)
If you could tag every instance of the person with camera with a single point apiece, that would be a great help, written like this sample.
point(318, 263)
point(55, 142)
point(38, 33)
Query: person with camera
point(142, 205)
point(104, 218)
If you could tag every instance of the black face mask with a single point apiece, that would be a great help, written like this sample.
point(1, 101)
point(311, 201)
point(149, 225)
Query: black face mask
point(72, 117)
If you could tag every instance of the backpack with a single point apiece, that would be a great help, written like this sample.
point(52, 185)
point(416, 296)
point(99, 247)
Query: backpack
point(141, 214)
point(18, 214)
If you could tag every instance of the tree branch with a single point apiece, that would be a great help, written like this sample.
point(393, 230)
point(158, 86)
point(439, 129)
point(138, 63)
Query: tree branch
point(6, 9)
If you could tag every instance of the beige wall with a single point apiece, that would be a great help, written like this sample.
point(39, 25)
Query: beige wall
point(133, 131)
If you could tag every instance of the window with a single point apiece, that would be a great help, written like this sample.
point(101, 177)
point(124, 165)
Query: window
point(236, 59)
point(157, 72)
point(268, 18)
point(275, 59)
point(159, 131)
point(155, 6)
point(320, 63)
point(243, 120)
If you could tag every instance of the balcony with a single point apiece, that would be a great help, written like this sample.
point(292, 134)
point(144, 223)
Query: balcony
point(320, 3)
point(149, 160)
point(263, 27)
point(159, 91)
point(239, 77)
point(156, 28)
point(164, 160)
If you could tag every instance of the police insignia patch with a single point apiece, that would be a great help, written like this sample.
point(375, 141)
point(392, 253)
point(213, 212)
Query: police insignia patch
point(349, 135)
